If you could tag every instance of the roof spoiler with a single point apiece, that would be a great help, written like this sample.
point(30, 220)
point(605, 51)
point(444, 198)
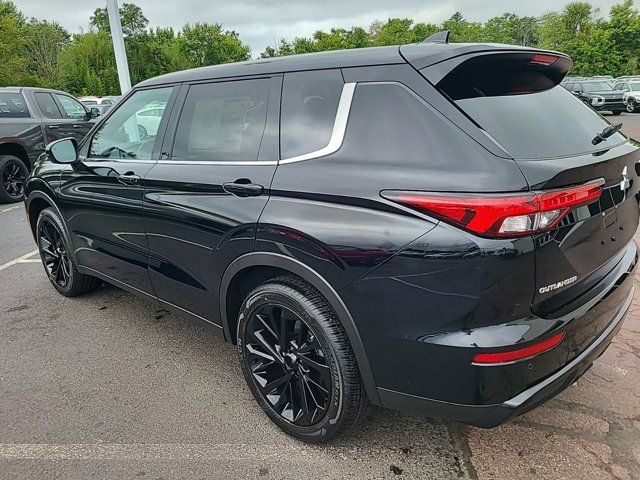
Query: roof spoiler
point(440, 37)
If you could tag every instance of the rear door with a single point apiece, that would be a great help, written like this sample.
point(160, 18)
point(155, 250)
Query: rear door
point(204, 197)
point(76, 121)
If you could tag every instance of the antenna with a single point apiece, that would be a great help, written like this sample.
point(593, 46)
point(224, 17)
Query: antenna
point(440, 37)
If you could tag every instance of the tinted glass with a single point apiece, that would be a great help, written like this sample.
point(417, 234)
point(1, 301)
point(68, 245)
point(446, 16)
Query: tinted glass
point(551, 123)
point(47, 105)
point(596, 87)
point(72, 108)
point(12, 105)
point(128, 135)
point(309, 105)
point(222, 121)
point(635, 87)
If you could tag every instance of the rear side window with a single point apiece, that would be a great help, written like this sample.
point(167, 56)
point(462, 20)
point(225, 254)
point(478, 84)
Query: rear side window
point(309, 105)
point(47, 105)
point(523, 108)
point(12, 105)
point(222, 121)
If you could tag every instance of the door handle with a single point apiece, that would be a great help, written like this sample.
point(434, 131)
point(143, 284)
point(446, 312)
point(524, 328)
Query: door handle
point(129, 178)
point(54, 127)
point(243, 188)
point(75, 125)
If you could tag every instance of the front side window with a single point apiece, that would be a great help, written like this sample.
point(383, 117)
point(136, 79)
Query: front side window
point(72, 108)
point(126, 134)
point(47, 105)
point(12, 105)
point(309, 106)
point(222, 121)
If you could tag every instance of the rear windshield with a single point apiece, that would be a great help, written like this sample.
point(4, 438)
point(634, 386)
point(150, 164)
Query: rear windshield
point(522, 107)
point(552, 123)
point(12, 105)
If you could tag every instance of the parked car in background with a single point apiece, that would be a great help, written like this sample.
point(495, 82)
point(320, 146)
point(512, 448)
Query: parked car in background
point(103, 104)
point(631, 89)
point(29, 119)
point(598, 94)
point(434, 227)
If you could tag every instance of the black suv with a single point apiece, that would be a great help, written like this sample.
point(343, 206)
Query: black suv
point(29, 119)
point(599, 94)
point(432, 227)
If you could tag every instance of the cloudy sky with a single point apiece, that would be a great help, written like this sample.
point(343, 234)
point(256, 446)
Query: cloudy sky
point(260, 22)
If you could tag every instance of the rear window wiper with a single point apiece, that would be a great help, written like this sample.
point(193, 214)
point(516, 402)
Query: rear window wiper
point(606, 133)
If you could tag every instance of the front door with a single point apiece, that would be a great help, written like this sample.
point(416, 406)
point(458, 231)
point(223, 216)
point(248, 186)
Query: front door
point(102, 194)
point(76, 120)
point(204, 197)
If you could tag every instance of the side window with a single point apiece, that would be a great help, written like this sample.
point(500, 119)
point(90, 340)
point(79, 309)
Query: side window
point(569, 86)
point(309, 106)
point(127, 134)
point(72, 108)
point(577, 87)
point(12, 105)
point(47, 105)
point(222, 121)
point(391, 125)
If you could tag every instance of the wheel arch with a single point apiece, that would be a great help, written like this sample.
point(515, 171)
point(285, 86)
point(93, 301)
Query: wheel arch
point(35, 202)
point(284, 265)
point(15, 149)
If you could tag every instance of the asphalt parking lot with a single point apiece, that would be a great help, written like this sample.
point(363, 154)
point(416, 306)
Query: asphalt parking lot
point(109, 386)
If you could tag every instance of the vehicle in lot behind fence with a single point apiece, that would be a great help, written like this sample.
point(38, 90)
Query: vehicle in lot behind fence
point(598, 94)
point(436, 227)
point(29, 119)
point(631, 89)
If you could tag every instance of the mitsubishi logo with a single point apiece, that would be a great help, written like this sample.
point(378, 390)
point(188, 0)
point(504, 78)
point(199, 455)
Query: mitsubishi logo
point(625, 183)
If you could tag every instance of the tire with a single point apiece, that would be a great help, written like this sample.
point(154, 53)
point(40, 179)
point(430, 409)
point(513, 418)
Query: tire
point(13, 176)
point(317, 370)
point(57, 257)
point(631, 106)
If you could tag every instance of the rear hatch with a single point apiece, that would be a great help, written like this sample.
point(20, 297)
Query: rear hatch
point(514, 97)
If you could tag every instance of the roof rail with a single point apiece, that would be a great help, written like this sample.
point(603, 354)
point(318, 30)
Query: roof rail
point(440, 37)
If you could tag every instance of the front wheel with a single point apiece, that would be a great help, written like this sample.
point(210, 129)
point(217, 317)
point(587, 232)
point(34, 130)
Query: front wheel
point(57, 257)
point(631, 106)
point(298, 362)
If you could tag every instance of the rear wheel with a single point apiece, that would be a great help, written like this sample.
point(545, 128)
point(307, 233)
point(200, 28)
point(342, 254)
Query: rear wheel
point(298, 362)
point(631, 106)
point(13, 176)
point(57, 257)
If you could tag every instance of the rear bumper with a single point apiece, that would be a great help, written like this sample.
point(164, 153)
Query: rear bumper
point(489, 416)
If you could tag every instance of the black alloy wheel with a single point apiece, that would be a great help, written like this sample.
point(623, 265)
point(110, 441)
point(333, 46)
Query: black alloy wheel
point(54, 254)
point(298, 362)
point(57, 257)
point(13, 176)
point(288, 364)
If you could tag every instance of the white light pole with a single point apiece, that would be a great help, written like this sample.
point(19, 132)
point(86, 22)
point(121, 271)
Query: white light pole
point(118, 46)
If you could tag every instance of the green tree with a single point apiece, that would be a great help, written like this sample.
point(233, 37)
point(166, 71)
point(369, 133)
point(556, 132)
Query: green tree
point(207, 44)
point(13, 71)
point(131, 17)
point(43, 44)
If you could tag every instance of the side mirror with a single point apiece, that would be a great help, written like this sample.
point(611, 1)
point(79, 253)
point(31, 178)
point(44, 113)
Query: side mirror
point(94, 112)
point(63, 151)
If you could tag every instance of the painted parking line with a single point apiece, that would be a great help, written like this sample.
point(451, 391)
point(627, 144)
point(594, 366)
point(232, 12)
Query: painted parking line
point(23, 259)
point(15, 207)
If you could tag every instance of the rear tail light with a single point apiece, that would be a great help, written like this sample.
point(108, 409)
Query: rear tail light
point(502, 215)
point(510, 356)
point(542, 59)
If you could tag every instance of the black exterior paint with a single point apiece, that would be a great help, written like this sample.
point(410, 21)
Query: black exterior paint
point(417, 297)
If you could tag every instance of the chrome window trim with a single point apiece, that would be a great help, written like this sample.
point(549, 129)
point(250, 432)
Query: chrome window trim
point(339, 128)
